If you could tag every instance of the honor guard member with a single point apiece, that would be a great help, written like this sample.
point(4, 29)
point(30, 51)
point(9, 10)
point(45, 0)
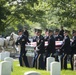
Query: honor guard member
point(57, 38)
point(46, 37)
point(51, 44)
point(62, 32)
point(25, 32)
point(36, 54)
point(73, 48)
point(22, 40)
point(40, 50)
point(66, 49)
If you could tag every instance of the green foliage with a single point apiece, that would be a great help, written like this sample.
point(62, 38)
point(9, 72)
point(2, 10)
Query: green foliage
point(47, 13)
point(14, 12)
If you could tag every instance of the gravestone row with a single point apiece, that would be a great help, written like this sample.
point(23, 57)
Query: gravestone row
point(6, 66)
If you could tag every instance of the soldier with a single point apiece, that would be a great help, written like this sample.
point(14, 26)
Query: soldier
point(40, 50)
point(62, 32)
point(73, 47)
point(22, 40)
point(36, 54)
point(46, 35)
point(66, 49)
point(51, 44)
point(57, 38)
point(25, 32)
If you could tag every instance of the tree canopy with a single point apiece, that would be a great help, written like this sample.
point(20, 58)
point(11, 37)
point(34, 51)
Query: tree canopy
point(45, 13)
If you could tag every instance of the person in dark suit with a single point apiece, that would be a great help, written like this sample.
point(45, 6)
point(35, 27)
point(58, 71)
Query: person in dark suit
point(51, 44)
point(40, 50)
point(46, 35)
point(62, 32)
point(25, 32)
point(73, 48)
point(22, 40)
point(66, 49)
point(57, 38)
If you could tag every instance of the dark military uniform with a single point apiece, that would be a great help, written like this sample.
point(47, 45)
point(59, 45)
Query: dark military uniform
point(66, 51)
point(73, 50)
point(57, 38)
point(26, 33)
point(22, 40)
point(38, 59)
point(62, 32)
point(51, 44)
point(46, 37)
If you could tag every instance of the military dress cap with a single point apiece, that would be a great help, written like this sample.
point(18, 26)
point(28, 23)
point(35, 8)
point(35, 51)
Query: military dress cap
point(50, 30)
point(57, 30)
point(20, 30)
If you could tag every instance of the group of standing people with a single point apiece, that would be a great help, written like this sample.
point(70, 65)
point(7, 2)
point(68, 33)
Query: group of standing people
point(42, 52)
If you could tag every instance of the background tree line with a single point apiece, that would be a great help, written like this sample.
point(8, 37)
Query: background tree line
point(15, 14)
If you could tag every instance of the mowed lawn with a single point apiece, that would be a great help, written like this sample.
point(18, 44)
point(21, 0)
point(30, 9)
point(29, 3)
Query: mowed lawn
point(17, 70)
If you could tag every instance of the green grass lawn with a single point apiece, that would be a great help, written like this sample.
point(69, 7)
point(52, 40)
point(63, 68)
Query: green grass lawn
point(17, 70)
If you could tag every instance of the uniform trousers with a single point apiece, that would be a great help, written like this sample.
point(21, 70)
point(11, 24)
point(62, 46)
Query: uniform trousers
point(23, 59)
point(38, 61)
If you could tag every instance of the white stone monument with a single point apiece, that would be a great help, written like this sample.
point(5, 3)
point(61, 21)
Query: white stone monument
point(10, 60)
point(4, 54)
point(7, 54)
point(55, 68)
point(48, 61)
point(5, 68)
point(32, 73)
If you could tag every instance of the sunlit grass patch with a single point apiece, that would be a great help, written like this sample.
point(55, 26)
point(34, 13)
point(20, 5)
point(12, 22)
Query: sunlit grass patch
point(17, 70)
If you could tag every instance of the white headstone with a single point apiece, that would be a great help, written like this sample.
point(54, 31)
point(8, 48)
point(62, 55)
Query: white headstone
point(55, 68)
point(5, 68)
point(48, 61)
point(31, 73)
point(10, 60)
point(74, 62)
point(7, 54)
point(4, 54)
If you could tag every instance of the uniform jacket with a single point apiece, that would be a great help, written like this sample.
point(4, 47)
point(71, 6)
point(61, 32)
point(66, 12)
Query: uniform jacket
point(46, 38)
point(51, 45)
point(58, 38)
point(66, 45)
point(73, 45)
point(40, 43)
point(22, 41)
point(62, 33)
point(26, 33)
